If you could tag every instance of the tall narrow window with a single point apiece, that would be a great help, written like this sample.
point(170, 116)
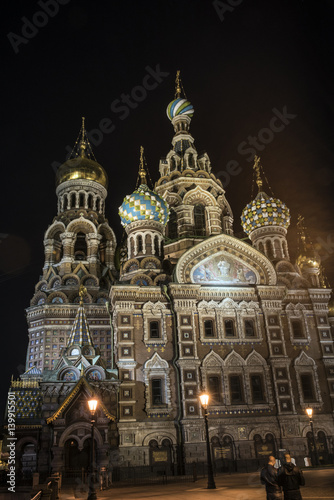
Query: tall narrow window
point(229, 328)
point(208, 328)
point(257, 388)
point(214, 389)
point(249, 328)
point(307, 387)
point(139, 244)
point(199, 220)
point(156, 385)
point(297, 329)
point(154, 330)
point(172, 225)
point(236, 389)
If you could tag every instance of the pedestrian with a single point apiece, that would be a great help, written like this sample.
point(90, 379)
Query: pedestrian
point(269, 477)
point(291, 478)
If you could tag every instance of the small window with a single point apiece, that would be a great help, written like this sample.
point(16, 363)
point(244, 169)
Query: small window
point(214, 389)
point(249, 328)
point(257, 388)
point(307, 387)
point(297, 329)
point(229, 328)
point(208, 328)
point(236, 389)
point(156, 385)
point(154, 330)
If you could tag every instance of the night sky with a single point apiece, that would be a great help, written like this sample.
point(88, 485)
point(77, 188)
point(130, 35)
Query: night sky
point(242, 64)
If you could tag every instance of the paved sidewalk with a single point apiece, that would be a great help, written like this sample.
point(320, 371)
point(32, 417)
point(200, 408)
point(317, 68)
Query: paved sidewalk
point(319, 486)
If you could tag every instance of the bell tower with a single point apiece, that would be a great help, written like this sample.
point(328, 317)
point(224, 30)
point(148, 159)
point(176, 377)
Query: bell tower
point(79, 249)
point(196, 198)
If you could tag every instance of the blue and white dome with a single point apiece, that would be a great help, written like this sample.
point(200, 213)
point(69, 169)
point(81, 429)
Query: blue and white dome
point(179, 107)
point(265, 211)
point(143, 204)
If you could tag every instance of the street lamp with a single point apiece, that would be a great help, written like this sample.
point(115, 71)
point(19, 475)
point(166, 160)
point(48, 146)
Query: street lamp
point(204, 399)
point(309, 412)
point(92, 404)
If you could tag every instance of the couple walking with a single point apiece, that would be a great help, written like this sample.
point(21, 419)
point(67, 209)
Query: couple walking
point(288, 477)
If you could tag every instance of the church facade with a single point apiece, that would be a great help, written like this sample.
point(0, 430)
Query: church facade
point(183, 306)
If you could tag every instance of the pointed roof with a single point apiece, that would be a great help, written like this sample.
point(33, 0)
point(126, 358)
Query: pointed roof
point(80, 334)
point(82, 383)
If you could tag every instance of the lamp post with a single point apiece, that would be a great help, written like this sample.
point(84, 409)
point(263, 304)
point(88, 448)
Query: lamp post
point(309, 412)
point(92, 404)
point(204, 399)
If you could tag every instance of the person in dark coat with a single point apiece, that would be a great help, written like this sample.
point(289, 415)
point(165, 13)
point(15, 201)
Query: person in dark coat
point(269, 477)
point(291, 478)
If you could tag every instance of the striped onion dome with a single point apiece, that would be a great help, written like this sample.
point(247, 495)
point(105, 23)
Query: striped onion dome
point(264, 211)
point(179, 107)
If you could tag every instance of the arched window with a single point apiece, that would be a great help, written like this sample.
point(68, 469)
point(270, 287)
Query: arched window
point(139, 244)
point(172, 225)
point(73, 200)
point(199, 220)
point(80, 248)
point(156, 245)
point(81, 200)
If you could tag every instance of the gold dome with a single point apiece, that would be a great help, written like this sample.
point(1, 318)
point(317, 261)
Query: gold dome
point(81, 168)
point(308, 258)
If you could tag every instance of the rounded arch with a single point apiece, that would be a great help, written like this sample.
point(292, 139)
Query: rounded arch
point(26, 440)
point(38, 299)
point(70, 279)
point(81, 225)
point(69, 433)
point(199, 196)
point(57, 298)
point(54, 229)
point(159, 438)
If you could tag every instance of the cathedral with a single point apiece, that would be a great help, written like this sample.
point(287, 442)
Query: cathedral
point(180, 306)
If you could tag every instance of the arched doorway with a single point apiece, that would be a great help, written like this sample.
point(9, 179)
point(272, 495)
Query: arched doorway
point(264, 447)
point(223, 453)
point(161, 456)
point(77, 461)
point(322, 448)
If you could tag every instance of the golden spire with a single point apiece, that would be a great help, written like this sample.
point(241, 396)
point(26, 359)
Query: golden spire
point(177, 85)
point(301, 229)
point(82, 293)
point(83, 143)
point(257, 169)
point(142, 173)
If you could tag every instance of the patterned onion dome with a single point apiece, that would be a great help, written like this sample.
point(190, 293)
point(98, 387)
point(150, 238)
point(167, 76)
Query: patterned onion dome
point(265, 211)
point(179, 107)
point(143, 204)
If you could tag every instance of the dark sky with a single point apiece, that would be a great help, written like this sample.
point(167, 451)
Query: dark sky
point(241, 62)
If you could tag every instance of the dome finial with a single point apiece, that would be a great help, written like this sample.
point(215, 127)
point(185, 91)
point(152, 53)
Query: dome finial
point(301, 229)
point(142, 173)
point(83, 143)
point(257, 169)
point(177, 85)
